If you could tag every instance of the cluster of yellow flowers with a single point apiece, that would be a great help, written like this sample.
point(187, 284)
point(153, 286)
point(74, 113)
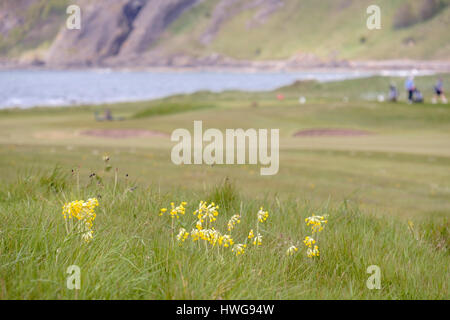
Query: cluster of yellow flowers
point(233, 221)
point(262, 215)
point(84, 213)
point(182, 235)
point(206, 212)
point(175, 210)
point(312, 251)
point(317, 224)
point(309, 241)
point(212, 236)
point(291, 250)
point(239, 249)
point(257, 240)
point(206, 215)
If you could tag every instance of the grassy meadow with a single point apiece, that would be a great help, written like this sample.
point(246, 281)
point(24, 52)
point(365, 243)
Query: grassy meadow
point(386, 196)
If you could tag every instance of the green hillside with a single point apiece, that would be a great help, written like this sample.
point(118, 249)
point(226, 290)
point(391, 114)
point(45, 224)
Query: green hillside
point(326, 28)
point(248, 29)
point(41, 23)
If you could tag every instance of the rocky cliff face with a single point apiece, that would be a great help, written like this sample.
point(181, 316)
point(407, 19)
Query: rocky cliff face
point(123, 32)
point(210, 33)
point(10, 15)
point(116, 29)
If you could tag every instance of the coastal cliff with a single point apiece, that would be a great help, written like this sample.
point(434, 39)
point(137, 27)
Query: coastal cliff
point(262, 34)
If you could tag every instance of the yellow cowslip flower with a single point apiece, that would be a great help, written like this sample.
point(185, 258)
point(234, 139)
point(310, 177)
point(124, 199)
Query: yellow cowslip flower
point(71, 209)
point(209, 235)
point(309, 241)
point(195, 235)
point(291, 250)
point(226, 241)
point(251, 235)
point(233, 221)
point(316, 222)
point(84, 212)
point(212, 236)
point(80, 209)
point(206, 211)
point(88, 235)
point(199, 224)
point(239, 249)
point(201, 208)
point(174, 210)
point(203, 235)
point(162, 211)
point(258, 240)
point(262, 215)
point(182, 235)
point(313, 252)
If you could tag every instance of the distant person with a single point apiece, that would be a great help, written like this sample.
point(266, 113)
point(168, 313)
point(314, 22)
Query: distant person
point(393, 92)
point(410, 88)
point(439, 91)
point(417, 96)
point(108, 115)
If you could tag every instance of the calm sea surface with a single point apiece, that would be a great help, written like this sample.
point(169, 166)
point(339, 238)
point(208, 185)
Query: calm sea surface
point(56, 88)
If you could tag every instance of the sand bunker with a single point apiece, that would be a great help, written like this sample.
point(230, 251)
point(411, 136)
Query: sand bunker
point(123, 133)
point(331, 133)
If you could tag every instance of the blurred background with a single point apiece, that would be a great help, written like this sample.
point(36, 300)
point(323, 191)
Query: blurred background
point(138, 69)
point(227, 39)
point(278, 34)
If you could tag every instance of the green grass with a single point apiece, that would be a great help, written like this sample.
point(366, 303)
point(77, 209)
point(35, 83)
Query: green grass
point(133, 255)
point(166, 109)
point(370, 186)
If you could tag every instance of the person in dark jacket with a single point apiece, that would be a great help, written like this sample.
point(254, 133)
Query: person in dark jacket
point(439, 91)
point(410, 88)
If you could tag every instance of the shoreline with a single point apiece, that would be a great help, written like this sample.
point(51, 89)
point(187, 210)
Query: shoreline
point(243, 66)
point(314, 75)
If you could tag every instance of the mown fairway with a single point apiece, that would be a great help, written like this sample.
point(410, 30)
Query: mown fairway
point(401, 168)
point(370, 186)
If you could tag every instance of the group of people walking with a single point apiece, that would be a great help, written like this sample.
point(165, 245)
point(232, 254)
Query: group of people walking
point(414, 94)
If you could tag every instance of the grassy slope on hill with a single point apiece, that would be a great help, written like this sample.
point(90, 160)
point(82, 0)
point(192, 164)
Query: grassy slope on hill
point(325, 28)
point(42, 21)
